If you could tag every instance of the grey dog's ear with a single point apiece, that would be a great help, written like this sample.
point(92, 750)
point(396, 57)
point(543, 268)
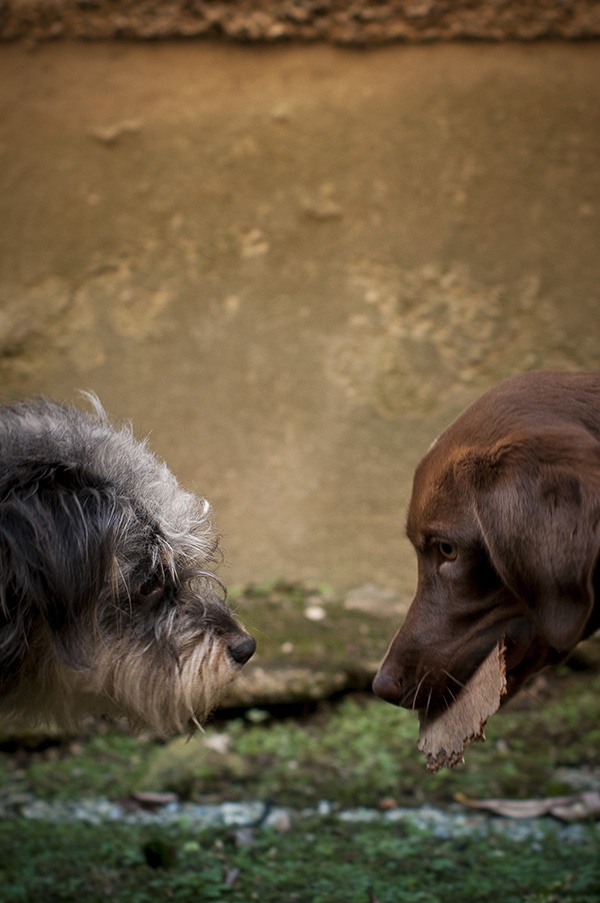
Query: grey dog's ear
point(56, 547)
point(537, 499)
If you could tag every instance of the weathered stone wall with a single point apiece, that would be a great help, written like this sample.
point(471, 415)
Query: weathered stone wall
point(293, 266)
point(340, 21)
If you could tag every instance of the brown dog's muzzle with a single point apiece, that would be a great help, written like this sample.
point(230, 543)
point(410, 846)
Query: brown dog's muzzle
point(431, 676)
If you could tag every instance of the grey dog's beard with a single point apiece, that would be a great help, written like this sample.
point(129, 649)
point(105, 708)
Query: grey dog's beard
point(151, 687)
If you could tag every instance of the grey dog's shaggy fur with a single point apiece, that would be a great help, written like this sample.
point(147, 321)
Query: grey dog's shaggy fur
point(108, 603)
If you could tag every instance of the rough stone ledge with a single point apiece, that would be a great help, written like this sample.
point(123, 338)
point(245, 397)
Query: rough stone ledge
point(337, 21)
point(275, 686)
point(312, 643)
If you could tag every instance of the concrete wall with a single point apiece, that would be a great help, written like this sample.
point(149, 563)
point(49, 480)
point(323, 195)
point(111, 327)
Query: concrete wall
point(293, 266)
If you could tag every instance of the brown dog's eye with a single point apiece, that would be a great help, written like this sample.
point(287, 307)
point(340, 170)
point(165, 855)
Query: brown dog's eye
point(448, 550)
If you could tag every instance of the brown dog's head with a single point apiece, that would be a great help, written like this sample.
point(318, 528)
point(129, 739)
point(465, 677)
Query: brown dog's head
point(505, 519)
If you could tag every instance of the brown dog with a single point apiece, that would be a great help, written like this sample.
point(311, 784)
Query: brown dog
point(505, 519)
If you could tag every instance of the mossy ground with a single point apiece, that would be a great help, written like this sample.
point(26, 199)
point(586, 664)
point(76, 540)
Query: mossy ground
point(355, 751)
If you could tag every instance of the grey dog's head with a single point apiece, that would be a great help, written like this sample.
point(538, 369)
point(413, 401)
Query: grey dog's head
point(108, 603)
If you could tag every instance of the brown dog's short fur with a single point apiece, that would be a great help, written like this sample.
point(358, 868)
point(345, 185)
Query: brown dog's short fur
point(505, 519)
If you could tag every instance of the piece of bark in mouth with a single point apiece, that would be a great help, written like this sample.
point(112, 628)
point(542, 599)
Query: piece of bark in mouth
point(443, 737)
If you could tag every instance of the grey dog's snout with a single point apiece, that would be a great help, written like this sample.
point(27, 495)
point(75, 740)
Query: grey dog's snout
point(242, 648)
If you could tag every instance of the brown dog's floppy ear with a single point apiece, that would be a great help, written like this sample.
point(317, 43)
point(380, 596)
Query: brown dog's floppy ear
point(537, 499)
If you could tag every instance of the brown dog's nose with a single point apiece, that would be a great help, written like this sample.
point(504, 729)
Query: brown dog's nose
point(242, 648)
point(387, 687)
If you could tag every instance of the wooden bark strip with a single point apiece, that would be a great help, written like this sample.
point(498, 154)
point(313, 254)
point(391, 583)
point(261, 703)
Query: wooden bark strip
point(443, 737)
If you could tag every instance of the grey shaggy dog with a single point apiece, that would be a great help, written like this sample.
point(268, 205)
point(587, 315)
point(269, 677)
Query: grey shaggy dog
point(108, 602)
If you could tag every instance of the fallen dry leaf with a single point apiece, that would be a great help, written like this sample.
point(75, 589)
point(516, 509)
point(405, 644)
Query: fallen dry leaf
point(153, 799)
point(566, 808)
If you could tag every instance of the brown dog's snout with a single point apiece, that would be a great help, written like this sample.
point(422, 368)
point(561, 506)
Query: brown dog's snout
point(400, 679)
point(387, 686)
point(416, 676)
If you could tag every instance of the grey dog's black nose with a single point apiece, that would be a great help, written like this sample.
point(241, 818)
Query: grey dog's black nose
point(242, 648)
